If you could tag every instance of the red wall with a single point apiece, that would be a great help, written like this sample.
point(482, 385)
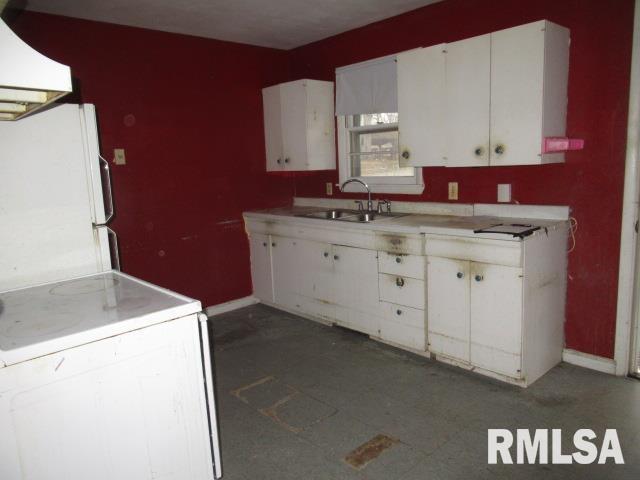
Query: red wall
point(188, 112)
point(590, 181)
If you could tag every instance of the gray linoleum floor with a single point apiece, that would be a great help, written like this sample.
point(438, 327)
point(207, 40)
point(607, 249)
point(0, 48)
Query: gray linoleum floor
point(295, 397)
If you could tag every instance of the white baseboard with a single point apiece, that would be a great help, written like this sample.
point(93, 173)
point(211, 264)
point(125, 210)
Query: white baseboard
point(586, 360)
point(230, 306)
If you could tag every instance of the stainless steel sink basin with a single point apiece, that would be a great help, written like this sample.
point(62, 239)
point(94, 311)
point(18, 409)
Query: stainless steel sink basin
point(363, 217)
point(351, 215)
point(331, 214)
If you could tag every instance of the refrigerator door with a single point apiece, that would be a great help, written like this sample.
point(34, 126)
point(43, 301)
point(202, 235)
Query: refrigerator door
point(98, 173)
point(106, 244)
point(47, 204)
point(211, 398)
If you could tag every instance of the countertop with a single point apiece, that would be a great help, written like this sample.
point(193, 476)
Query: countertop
point(410, 223)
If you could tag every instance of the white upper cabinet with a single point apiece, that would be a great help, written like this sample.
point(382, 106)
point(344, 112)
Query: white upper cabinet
point(421, 105)
point(529, 72)
point(468, 65)
point(489, 100)
point(299, 126)
point(272, 127)
point(505, 92)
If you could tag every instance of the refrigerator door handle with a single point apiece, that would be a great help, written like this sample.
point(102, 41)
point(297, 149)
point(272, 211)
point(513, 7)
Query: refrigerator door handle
point(211, 400)
point(105, 167)
point(116, 253)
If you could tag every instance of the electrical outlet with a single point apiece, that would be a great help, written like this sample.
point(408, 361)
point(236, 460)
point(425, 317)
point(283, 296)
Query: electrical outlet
point(504, 192)
point(329, 188)
point(453, 190)
point(118, 156)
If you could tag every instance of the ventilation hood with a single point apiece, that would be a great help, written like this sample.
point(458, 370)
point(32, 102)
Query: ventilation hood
point(28, 79)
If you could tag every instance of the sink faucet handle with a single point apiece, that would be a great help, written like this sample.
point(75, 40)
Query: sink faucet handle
point(360, 205)
point(382, 203)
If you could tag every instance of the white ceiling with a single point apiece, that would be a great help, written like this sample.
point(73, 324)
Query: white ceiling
point(271, 23)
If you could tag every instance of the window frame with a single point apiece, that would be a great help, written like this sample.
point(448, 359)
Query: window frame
point(390, 184)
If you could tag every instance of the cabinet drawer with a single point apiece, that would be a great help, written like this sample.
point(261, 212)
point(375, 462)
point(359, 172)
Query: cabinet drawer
point(404, 265)
point(498, 252)
point(406, 291)
point(403, 325)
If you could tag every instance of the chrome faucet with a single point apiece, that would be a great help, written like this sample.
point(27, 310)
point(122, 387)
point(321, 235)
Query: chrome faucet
point(357, 180)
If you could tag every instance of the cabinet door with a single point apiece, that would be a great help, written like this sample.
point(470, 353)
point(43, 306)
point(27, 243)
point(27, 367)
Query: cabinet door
point(321, 126)
point(293, 104)
point(517, 77)
point(303, 276)
point(448, 306)
point(496, 318)
point(421, 105)
point(467, 102)
point(272, 127)
point(285, 271)
point(261, 266)
point(356, 288)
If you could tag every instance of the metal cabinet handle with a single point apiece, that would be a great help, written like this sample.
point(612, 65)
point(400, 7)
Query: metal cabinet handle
point(460, 275)
point(398, 259)
point(478, 151)
point(273, 244)
point(326, 254)
point(400, 282)
point(499, 149)
point(479, 278)
point(286, 160)
point(406, 154)
point(398, 312)
point(105, 167)
point(336, 257)
point(116, 252)
point(279, 160)
point(264, 244)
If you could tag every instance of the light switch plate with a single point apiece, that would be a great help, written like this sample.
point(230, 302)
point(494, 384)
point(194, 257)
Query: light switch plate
point(453, 190)
point(118, 156)
point(504, 192)
point(329, 188)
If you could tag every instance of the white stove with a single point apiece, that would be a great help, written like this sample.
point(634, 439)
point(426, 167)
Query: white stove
point(105, 377)
point(40, 320)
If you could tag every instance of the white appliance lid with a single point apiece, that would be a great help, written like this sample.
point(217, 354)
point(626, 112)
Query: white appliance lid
point(49, 318)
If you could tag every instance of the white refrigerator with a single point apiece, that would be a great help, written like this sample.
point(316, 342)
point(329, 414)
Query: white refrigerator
point(53, 223)
point(102, 375)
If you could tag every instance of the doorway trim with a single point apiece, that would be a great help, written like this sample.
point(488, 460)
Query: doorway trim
point(629, 271)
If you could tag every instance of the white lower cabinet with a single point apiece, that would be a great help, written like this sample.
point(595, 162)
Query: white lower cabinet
point(333, 282)
point(490, 305)
point(475, 313)
point(448, 307)
point(303, 275)
point(402, 290)
point(260, 246)
point(403, 326)
point(495, 332)
point(356, 288)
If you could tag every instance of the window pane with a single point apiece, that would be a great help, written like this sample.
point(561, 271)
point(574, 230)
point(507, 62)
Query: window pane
point(378, 165)
point(373, 119)
point(374, 142)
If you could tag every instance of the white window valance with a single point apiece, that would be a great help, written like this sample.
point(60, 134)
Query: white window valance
point(367, 87)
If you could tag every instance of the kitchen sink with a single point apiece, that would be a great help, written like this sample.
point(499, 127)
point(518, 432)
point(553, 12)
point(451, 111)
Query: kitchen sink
point(352, 215)
point(331, 214)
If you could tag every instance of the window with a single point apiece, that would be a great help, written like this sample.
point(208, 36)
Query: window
point(369, 150)
point(368, 139)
